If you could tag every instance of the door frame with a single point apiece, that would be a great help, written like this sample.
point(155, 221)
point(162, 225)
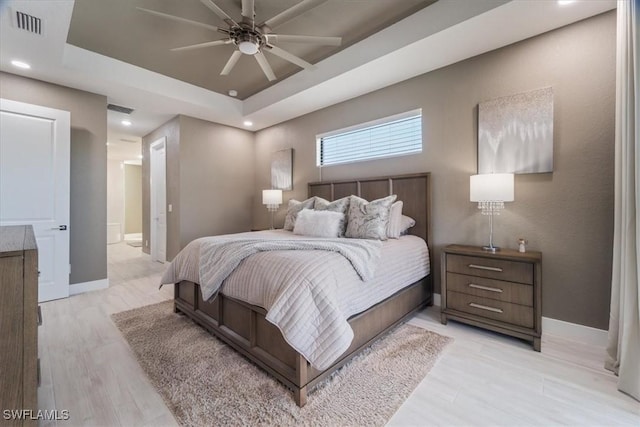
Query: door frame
point(154, 167)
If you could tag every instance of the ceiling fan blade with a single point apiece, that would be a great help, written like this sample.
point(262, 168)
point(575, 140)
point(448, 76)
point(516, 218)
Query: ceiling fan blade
point(291, 13)
point(221, 13)
point(178, 19)
point(231, 63)
point(288, 56)
point(266, 68)
point(201, 45)
point(248, 9)
point(325, 41)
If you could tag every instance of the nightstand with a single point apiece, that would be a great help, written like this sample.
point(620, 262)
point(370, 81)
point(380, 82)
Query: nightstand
point(499, 291)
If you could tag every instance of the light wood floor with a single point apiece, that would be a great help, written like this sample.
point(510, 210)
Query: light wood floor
point(482, 379)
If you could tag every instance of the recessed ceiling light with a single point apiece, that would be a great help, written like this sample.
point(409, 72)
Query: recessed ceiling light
point(126, 122)
point(565, 2)
point(248, 123)
point(20, 64)
point(233, 92)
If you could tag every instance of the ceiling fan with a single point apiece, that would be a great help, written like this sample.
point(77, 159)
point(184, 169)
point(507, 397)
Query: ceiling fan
point(252, 39)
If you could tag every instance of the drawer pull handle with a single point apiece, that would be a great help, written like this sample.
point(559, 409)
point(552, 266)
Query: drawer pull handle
point(484, 267)
point(39, 316)
point(484, 307)
point(485, 288)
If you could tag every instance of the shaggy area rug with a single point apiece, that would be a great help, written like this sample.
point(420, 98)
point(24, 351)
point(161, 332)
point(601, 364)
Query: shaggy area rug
point(205, 382)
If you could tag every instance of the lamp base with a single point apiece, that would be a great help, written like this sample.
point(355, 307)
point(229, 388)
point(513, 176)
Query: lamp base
point(492, 249)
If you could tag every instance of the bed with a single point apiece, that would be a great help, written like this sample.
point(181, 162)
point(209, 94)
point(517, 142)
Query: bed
point(245, 327)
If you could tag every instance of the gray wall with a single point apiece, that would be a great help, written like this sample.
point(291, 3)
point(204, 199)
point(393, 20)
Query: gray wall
point(210, 180)
point(132, 199)
point(87, 228)
point(568, 215)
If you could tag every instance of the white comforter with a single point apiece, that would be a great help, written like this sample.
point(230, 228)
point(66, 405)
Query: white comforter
point(309, 294)
point(219, 256)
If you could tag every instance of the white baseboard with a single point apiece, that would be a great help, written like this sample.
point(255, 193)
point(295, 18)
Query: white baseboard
point(567, 330)
point(574, 332)
point(79, 288)
point(133, 236)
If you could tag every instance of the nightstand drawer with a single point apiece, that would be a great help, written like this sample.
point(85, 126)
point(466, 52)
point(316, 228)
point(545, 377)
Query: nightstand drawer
point(514, 314)
point(511, 271)
point(490, 288)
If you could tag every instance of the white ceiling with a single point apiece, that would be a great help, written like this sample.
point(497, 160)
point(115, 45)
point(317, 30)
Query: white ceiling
point(438, 35)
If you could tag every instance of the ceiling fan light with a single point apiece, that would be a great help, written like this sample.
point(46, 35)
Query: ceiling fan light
point(248, 48)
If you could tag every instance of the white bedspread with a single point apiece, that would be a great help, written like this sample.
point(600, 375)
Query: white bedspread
point(308, 294)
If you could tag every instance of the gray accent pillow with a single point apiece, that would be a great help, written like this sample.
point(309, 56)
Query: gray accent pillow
point(340, 205)
point(294, 209)
point(369, 220)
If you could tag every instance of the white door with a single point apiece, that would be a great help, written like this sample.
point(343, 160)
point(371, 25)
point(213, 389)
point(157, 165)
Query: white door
point(34, 186)
point(158, 201)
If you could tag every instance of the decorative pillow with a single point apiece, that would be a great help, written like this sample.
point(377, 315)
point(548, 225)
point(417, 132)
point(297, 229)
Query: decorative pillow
point(340, 205)
point(368, 220)
point(318, 223)
point(407, 223)
point(294, 209)
point(395, 220)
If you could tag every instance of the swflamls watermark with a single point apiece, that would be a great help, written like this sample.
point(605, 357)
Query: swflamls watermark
point(40, 414)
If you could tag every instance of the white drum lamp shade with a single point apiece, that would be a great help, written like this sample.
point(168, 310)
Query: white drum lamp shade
point(271, 197)
point(491, 187)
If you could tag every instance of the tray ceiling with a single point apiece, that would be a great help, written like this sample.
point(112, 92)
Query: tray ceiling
point(116, 29)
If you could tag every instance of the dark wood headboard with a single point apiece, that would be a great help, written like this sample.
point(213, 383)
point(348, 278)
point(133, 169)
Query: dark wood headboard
point(414, 191)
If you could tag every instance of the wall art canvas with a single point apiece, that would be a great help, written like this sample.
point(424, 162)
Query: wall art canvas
point(282, 169)
point(515, 133)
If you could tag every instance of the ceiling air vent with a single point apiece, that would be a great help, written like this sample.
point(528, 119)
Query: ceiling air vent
point(133, 141)
point(119, 108)
point(29, 23)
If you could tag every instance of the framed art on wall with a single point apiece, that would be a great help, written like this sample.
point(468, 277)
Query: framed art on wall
point(282, 170)
point(515, 133)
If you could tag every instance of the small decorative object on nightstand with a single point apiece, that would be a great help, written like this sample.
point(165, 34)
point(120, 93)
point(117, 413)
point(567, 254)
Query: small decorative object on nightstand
point(499, 291)
point(522, 243)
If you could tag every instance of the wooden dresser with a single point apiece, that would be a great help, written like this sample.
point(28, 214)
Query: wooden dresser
point(499, 291)
point(19, 320)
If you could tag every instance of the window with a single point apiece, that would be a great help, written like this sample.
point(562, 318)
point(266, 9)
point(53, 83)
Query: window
point(392, 136)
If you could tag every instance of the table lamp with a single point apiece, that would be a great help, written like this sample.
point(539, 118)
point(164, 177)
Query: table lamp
point(490, 191)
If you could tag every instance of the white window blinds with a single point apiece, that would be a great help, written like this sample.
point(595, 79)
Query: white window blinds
point(393, 136)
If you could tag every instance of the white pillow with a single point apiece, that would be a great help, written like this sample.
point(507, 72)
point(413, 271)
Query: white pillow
point(395, 220)
point(318, 223)
point(294, 208)
point(407, 223)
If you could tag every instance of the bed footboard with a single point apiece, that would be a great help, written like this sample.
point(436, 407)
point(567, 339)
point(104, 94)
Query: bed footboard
point(244, 327)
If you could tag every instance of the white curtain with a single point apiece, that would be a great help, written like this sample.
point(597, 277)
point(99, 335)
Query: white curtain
point(623, 348)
